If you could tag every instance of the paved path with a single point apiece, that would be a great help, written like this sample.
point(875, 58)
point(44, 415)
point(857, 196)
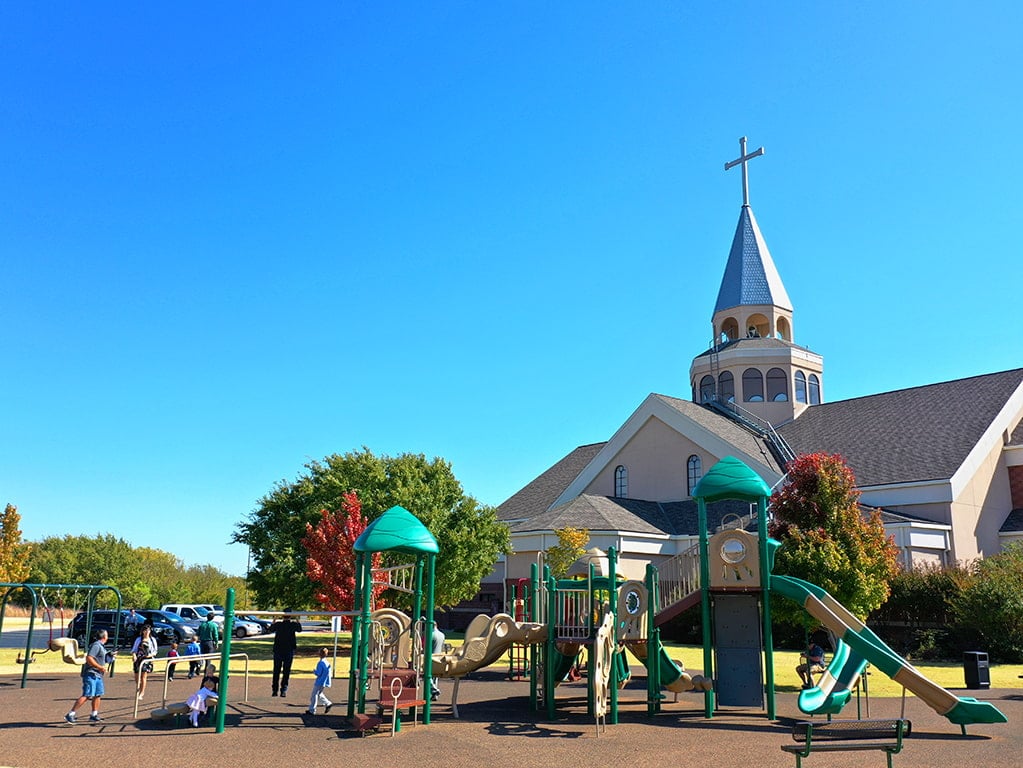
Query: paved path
point(497, 728)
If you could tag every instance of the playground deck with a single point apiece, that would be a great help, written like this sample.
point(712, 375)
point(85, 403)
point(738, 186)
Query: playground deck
point(496, 728)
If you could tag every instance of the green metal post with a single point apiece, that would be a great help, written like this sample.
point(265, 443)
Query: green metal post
point(653, 680)
point(708, 656)
point(355, 662)
point(612, 559)
point(551, 644)
point(428, 630)
point(533, 615)
point(765, 592)
point(225, 657)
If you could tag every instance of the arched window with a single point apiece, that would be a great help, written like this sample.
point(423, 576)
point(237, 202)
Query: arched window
point(694, 469)
point(621, 481)
point(706, 389)
point(815, 390)
point(777, 386)
point(800, 387)
point(726, 387)
point(752, 386)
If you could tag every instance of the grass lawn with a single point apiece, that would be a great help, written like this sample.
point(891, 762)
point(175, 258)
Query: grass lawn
point(948, 674)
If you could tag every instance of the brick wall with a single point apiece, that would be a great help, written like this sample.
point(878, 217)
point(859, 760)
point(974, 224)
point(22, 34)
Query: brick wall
point(1016, 486)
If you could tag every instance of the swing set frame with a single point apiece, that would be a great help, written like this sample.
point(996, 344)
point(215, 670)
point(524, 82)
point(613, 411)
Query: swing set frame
point(36, 591)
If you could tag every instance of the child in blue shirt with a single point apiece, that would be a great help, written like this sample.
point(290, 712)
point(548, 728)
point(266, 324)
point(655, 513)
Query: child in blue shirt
point(193, 649)
point(322, 680)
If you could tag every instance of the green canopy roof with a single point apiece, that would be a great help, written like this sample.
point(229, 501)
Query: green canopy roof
point(731, 479)
point(397, 530)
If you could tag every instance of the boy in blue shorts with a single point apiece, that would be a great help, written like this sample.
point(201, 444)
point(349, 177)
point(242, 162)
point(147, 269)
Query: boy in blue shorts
point(92, 678)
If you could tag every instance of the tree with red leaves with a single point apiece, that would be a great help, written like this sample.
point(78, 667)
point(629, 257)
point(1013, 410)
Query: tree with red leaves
point(330, 564)
point(830, 540)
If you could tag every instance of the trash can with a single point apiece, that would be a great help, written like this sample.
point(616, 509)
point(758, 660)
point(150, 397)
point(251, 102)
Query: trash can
point(975, 665)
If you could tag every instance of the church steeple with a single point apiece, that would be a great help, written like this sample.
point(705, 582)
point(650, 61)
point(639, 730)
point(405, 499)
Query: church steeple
point(752, 360)
point(752, 300)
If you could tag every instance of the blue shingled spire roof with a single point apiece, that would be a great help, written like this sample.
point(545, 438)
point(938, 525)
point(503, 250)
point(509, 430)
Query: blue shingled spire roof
point(750, 274)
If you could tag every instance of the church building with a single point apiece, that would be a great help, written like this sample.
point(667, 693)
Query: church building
point(943, 461)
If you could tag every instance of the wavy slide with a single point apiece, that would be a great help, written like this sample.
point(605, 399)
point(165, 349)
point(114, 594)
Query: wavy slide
point(864, 643)
point(835, 687)
point(486, 640)
point(673, 676)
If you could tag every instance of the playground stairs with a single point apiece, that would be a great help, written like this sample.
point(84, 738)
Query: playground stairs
point(665, 615)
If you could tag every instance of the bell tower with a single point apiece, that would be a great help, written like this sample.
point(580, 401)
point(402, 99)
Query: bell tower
point(753, 365)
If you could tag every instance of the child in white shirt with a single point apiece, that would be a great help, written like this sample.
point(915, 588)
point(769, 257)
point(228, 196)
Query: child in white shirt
point(198, 701)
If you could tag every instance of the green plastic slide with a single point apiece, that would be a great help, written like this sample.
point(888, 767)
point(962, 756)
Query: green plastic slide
point(862, 641)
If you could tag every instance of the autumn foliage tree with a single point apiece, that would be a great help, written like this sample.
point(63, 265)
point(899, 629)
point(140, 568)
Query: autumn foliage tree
point(828, 540)
point(14, 553)
point(570, 547)
point(330, 563)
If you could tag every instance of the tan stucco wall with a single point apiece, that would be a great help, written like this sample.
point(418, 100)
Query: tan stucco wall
point(979, 510)
point(656, 458)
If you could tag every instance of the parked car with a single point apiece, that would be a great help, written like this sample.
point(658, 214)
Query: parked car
point(263, 622)
point(163, 632)
point(113, 622)
point(183, 630)
point(245, 628)
point(198, 612)
point(189, 611)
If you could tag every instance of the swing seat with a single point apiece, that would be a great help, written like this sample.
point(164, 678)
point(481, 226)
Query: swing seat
point(68, 648)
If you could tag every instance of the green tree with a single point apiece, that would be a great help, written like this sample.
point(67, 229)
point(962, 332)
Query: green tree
point(570, 547)
point(828, 540)
point(469, 534)
point(988, 611)
point(14, 553)
point(101, 559)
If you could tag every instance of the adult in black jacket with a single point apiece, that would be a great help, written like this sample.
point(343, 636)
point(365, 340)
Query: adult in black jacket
point(285, 643)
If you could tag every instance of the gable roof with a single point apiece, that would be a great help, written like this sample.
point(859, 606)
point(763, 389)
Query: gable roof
point(745, 441)
point(750, 275)
point(609, 513)
point(910, 435)
point(540, 493)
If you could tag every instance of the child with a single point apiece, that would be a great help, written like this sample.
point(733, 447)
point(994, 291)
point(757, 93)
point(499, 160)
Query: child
point(193, 649)
point(198, 701)
point(172, 654)
point(322, 675)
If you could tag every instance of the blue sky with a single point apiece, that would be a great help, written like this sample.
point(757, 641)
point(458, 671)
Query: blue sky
point(236, 239)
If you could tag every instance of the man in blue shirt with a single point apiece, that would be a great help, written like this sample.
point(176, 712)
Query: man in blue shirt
point(92, 678)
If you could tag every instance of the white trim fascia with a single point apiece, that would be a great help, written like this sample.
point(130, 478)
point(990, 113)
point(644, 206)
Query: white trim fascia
point(898, 494)
point(654, 407)
point(1014, 455)
point(992, 437)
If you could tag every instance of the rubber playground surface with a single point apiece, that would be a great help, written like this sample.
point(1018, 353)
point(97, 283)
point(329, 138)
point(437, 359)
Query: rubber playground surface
point(496, 727)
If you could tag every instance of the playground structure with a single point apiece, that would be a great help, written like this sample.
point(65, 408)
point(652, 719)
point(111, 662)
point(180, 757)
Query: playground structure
point(67, 647)
point(600, 615)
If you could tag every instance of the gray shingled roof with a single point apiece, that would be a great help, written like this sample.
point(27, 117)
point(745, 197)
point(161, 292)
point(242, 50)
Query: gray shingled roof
point(750, 275)
point(1013, 523)
point(544, 490)
point(743, 439)
point(607, 513)
point(918, 434)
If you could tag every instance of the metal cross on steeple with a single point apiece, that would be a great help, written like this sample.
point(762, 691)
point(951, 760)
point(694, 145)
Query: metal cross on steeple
point(744, 158)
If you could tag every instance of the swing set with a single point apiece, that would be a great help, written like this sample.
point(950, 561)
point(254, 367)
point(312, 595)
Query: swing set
point(66, 646)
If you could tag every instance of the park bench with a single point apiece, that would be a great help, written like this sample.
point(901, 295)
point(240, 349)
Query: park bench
point(847, 736)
